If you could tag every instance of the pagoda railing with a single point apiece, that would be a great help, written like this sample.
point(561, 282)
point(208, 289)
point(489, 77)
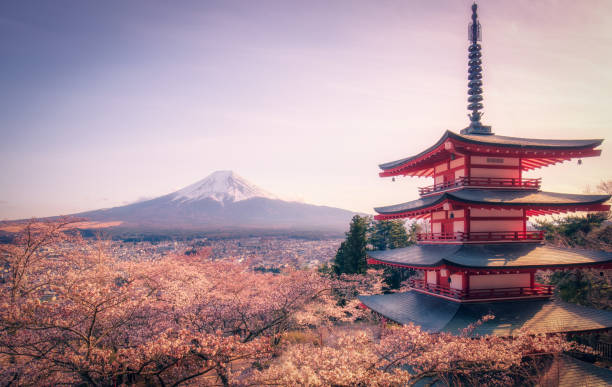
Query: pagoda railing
point(482, 236)
point(489, 182)
point(480, 294)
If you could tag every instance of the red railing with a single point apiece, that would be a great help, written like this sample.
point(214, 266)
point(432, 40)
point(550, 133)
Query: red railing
point(537, 290)
point(482, 236)
point(496, 182)
point(437, 289)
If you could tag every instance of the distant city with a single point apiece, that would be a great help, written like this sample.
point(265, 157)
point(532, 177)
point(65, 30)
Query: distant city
point(263, 253)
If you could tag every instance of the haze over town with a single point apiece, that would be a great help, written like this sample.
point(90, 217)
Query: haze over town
point(106, 103)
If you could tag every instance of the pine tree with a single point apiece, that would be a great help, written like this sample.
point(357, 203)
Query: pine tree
point(389, 234)
point(351, 256)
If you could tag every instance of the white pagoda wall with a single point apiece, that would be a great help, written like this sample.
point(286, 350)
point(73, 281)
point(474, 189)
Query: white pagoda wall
point(430, 276)
point(458, 226)
point(436, 228)
point(456, 281)
point(460, 173)
point(498, 224)
point(490, 172)
point(495, 281)
point(453, 169)
point(479, 167)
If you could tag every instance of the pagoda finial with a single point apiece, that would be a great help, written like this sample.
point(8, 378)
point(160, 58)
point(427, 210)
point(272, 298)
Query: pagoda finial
point(475, 78)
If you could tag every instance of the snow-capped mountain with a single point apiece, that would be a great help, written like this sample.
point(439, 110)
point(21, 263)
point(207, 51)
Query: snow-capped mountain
point(222, 186)
point(223, 201)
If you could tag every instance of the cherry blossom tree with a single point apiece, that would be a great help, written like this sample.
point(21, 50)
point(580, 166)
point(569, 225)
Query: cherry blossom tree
point(405, 355)
point(72, 313)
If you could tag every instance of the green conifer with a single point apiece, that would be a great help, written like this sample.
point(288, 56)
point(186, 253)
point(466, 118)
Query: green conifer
point(351, 256)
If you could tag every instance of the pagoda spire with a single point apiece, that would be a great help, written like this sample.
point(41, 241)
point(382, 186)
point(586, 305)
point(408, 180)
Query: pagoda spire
point(475, 78)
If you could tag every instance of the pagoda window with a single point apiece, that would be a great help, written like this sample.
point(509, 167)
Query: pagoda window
point(497, 281)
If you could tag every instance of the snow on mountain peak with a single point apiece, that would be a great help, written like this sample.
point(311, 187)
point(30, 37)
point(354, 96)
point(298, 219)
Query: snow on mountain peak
point(222, 186)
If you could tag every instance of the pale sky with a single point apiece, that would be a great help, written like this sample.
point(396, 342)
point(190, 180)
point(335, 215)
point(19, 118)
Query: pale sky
point(107, 102)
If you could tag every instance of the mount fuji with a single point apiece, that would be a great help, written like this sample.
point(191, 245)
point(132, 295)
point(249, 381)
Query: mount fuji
point(223, 201)
point(222, 186)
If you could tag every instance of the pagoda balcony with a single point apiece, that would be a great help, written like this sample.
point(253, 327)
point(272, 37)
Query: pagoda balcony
point(537, 291)
point(482, 237)
point(482, 182)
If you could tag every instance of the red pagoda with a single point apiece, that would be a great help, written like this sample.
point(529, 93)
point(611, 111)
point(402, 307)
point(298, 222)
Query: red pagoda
point(478, 256)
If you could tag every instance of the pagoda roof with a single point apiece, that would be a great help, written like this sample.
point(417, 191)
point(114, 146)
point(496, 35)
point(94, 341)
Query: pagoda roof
point(566, 371)
point(552, 150)
point(436, 314)
point(492, 197)
point(489, 256)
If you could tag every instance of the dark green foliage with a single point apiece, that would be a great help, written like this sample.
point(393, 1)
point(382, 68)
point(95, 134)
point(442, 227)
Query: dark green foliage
point(265, 269)
point(388, 234)
point(394, 276)
point(381, 235)
point(391, 234)
point(589, 288)
point(191, 251)
point(588, 231)
point(351, 256)
point(583, 287)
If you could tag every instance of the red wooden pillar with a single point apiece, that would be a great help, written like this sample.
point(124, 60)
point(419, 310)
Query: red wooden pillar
point(438, 277)
point(444, 278)
point(532, 279)
point(466, 224)
point(468, 167)
point(465, 281)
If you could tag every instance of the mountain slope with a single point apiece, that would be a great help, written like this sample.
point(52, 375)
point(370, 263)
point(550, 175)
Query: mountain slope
point(223, 200)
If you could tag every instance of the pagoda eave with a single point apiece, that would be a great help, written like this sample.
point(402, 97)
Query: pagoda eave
point(541, 154)
point(543, 316)
point(530, 201)
point(530, 209)
point(492, 257)
point(453, 266)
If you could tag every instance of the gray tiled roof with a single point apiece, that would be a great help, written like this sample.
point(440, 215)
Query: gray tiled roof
point(563, 371)
point(434, 314)
point(512, 142)
point(493, 196)
point(566, 371)
point(500, 255)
